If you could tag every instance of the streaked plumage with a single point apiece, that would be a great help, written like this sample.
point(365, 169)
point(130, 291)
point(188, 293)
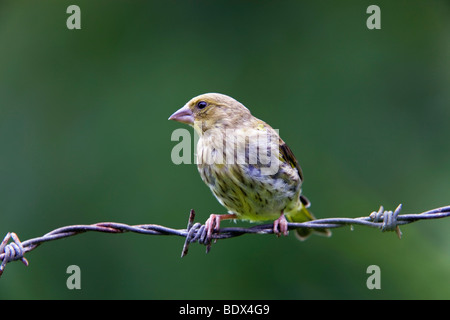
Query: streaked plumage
point(248, 167)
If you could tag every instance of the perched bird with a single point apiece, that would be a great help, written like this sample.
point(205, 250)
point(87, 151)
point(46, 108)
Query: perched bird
point(248, 167)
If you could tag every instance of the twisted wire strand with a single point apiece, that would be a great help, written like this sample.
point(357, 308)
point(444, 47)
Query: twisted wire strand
point(196, 232)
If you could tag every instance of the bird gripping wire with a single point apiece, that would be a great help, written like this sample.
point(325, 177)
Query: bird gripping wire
point(195, 232)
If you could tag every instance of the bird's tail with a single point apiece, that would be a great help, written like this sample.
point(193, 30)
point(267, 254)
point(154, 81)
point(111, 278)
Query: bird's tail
point(304, 215)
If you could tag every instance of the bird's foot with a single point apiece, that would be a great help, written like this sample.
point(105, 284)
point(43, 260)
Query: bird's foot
point(213, 225)
point(280, 226)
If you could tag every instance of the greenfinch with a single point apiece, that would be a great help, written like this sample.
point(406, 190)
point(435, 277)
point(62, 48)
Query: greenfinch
point(248, 167)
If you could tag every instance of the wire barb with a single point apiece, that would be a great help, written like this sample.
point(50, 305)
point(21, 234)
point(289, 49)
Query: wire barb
point(389, 219)
point(11, 251)
point(196, 232)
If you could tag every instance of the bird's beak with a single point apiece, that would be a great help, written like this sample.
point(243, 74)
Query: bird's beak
point(184, 115)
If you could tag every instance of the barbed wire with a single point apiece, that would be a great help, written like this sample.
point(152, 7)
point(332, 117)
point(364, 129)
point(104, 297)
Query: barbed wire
point(196, 232)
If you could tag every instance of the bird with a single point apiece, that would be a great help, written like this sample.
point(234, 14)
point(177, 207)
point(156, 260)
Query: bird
point(250, 170)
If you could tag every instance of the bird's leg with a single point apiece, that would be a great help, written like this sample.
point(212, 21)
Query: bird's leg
point(213, 223)
point(280, 226)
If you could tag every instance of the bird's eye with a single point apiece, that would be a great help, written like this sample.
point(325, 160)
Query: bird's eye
point(201, 104)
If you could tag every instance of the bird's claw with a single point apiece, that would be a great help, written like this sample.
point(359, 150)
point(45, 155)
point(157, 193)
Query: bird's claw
point(211, 225)
point(280, 226)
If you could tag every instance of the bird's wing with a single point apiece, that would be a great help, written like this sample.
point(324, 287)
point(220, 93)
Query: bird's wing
point(288, 156)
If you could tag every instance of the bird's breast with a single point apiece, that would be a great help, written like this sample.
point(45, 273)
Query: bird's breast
point(243, 188)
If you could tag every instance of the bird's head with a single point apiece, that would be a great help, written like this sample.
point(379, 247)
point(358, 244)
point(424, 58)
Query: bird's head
point(212, 110)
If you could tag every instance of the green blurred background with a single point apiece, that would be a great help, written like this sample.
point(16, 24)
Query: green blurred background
point(84, 138)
